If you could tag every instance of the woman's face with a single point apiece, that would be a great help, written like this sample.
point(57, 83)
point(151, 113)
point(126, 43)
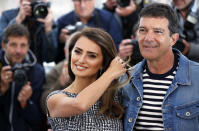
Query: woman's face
point(86, 58)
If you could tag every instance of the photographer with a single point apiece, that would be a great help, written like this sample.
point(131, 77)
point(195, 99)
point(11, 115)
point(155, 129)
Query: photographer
point(188, 14)
point(86, 13)
point(39, 19)
point(125, 12)
point(21, 82)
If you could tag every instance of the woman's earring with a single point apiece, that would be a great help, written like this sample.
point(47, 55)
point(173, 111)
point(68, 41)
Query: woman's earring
point(100, 72)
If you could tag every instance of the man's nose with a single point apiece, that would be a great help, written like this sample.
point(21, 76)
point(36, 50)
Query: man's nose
point(149, 36)
point(18, 49)
point(83, 3)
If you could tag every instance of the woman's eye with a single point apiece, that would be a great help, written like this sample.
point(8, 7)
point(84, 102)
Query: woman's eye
point(92, 56)
point(77, 51)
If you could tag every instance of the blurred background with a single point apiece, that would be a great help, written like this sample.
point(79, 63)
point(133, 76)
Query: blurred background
point(58, 7)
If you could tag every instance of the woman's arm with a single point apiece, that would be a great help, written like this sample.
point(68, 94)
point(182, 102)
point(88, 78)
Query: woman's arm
point(59, 105)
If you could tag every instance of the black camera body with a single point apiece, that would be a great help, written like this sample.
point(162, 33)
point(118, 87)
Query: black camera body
point(179, 44)
point(20, 75)
point(39, 9)
point(73, 28)
point(136, 56)
point(123, 3)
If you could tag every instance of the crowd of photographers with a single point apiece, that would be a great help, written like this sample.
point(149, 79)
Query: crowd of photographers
point(29, 36)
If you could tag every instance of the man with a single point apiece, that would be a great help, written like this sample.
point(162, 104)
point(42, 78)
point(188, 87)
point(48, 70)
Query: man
point(188, 14)
point(163, 92)
point(40, 25)
point(85, 12)
point(126, 15)
point(21, 82)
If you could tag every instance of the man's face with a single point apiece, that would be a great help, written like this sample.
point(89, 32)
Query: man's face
point(84, 8)
point(181, 4)
point(154, 38)
point(16, 49)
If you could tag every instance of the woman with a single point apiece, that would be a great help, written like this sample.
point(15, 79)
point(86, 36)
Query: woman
point(91, 101)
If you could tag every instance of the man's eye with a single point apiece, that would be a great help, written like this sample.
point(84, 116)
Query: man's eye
point(158, 31)
point(142, 30)
point(13, 45)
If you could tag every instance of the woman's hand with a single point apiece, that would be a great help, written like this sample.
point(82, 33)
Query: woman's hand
point(116, 68)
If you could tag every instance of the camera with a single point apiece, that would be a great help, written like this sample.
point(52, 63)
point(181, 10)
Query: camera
point(123, 3)
point(192, 17)
point(73, 28)
point(179, 44)
point(20, 74)
point(39, 9)
point(136, 56)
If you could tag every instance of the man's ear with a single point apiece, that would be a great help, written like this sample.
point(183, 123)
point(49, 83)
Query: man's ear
point(174, 38)
point(3, 46)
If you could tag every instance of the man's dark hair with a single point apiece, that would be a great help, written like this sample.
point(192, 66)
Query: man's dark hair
point(162, 10)
point(15, 30)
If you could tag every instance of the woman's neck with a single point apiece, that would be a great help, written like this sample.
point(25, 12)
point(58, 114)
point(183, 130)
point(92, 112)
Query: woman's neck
point(80, 83)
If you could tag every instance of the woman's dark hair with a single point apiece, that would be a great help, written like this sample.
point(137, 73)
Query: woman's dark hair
point(162, 10)
point(109, 52)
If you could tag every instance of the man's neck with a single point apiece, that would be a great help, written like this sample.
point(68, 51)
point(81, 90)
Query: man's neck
point(84, 20)
point(161, 66)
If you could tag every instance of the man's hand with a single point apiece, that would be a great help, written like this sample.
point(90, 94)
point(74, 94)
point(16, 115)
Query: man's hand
point(63, 35)
point(6, 78)
point(64, 78)
point(125, 48)
point(48, 21)
point(25, 94)
point(24, 11)
point(126, 11)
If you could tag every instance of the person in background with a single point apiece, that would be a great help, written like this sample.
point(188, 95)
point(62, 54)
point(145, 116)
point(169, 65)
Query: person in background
point(91, 101)
point(57, 79)
point(21, 82)
point(39, 21)
point(163, 92)
point(188, 14)
point(85, 14)
point(126, 13)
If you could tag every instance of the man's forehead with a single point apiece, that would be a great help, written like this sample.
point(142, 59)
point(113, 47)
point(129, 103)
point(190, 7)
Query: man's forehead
point(14, 38)
point(154, 22)
point(155, 19)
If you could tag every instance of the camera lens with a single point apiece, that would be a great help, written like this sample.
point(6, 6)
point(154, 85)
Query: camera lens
point(40, 11)
point(123, 3)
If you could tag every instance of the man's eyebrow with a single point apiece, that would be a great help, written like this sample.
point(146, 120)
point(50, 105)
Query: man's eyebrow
point(141, 27)
point(159, 29)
